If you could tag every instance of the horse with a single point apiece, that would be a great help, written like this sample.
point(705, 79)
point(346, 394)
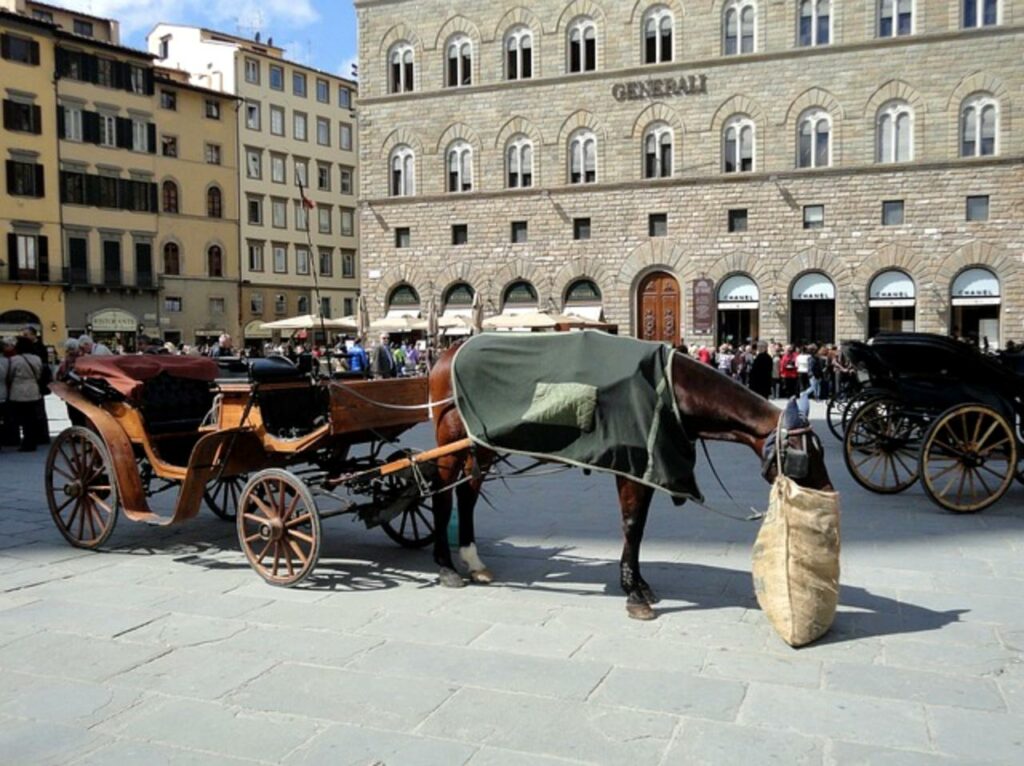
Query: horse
point(712, 406)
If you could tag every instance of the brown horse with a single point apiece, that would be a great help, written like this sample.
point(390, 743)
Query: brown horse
point(711, 405)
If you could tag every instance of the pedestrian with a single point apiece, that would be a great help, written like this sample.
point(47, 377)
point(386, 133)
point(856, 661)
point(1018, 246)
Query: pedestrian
point(223, 347)
point(71, 355)
point(7, 430)
point(761, 371)
point(788, 372)
point(383, 360)
point(357, 358)
point(803, 368)
point(24, 372)
point(725, 357)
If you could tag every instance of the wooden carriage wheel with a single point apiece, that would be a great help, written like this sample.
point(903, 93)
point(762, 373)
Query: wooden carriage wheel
point(881, 446)
point(414, 527)
point(80, 487)
point(969, 458)
point(279, 527)
point(222, 496)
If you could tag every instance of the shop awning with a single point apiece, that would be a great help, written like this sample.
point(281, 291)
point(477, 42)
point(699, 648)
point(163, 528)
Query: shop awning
point(738, 292)
point(892, 289)
point(594, 313)
point(976, 287)
point(813, 287)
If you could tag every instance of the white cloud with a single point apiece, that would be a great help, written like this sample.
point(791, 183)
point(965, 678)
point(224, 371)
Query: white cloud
point(242, 17)
point(345, 70)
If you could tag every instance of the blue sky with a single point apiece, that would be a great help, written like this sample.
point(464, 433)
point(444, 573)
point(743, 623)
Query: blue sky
point(320, 33)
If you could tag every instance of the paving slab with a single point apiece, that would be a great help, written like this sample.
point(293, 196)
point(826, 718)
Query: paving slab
point(62, 701)
point(70, 655)
point(202, 672)
point(668, 692)
point(860, 754)
point(128, 752)
point(970, 733)
point(42, 743)
point(917, 685)
point(353, 746)
point(722, 744)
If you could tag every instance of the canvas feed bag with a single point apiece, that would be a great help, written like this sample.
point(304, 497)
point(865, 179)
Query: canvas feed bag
point(796, 560)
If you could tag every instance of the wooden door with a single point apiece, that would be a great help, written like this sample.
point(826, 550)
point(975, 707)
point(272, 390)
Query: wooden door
point(659, 308)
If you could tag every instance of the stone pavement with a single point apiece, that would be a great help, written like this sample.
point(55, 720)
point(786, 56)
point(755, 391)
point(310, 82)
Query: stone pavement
point(168, 649)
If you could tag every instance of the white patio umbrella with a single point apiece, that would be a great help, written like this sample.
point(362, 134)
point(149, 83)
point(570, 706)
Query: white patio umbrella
point(397, 324)
point(362, 319)
point(308, 322)
point(433, 322)
point(477, 314)
point(533, 320)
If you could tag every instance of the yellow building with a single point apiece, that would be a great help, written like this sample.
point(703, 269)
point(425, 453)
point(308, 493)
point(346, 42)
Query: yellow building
point(30, 252)
point(197, 228)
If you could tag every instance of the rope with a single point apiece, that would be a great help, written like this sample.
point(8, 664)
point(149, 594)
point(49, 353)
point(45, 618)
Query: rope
point(754, 515)
point(403, 407)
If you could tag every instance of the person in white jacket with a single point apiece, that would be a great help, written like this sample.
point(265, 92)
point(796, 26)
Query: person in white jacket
point(23, 374)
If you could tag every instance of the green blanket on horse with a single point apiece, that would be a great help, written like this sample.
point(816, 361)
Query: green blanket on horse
point(583, 398)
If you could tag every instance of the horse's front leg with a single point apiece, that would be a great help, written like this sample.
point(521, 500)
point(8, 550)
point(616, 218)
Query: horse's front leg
point(441, 504)
point(467, 494)
point(634, 503)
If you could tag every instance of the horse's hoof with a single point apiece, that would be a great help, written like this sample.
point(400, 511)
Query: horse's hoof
point(640, 611)
point(482, 576)
point(449, 578)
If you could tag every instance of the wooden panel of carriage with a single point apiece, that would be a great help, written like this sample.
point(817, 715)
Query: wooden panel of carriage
point(929, 408)
point(124, 449)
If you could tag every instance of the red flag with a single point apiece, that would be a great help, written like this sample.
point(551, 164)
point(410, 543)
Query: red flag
point(306, 201)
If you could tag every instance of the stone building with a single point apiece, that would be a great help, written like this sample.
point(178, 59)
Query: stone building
point(791, 170)
point(296, 125)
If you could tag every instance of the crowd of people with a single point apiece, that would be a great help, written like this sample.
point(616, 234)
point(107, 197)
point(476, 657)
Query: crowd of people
point(25, 375)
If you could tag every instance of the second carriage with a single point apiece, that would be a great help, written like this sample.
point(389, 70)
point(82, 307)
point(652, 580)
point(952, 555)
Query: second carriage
point(939, 411)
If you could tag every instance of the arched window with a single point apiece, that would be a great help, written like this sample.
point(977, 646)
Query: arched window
point(814, 147)
point(979, 117)
point(895, 132)
point(980, 13)
point(403, 297)
point(583, 157)
point(895, 18)
point(215, 261)
point(583, 292)
point(582, 45)
point(214, 203)
point(401, 68)
point(170, 197)
point(738, 145)
point(459, 295)
point(815, 22)
point(519, 53)
point(459, 167)
point(658, 140)
point(519, 162)
point(738, 26)
point(403, 171)
point(172, 259)
point(520, 294)
point(657, 35)
point(459, 61)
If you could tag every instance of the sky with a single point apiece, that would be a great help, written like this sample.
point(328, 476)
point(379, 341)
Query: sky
point(318, 33)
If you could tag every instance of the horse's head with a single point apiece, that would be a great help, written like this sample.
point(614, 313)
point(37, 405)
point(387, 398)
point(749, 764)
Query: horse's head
point(801, 453)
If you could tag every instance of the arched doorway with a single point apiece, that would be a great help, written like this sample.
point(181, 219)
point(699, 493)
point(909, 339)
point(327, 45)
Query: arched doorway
point(738, 302)
point(812, 309)
point(976, 298)
point(891, 301)
point(659, 308)
point(14, 321)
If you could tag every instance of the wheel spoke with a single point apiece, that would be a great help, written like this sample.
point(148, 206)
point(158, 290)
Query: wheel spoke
point(297, 549)
point(288, 559)
point(298, 520)
point(263, 553)
point(426, 522)
point(960, 489)
point(300, 535)
point(81, 518)
point(981, 480)
point(267, 510)
point(291, 507)
point(277, 557)
point(253, 518)
point(62, 472)
point(988, 450)
point(76, 509)
point(96, 500)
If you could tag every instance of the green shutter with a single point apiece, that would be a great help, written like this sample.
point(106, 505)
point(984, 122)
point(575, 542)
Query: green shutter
point(43, 254)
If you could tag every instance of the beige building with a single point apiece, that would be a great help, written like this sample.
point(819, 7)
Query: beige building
point(296, 126)
point(801, 170)
point(30, 262)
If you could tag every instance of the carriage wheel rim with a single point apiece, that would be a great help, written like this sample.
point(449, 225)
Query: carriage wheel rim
point(278, 527)
point(80, 488)
point(970, 459)
point(880, 448)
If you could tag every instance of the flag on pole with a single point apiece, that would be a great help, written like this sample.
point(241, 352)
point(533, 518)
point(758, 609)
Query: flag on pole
point(307, 203)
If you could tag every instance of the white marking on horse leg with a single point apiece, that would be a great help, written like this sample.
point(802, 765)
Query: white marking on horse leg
point(478, 571)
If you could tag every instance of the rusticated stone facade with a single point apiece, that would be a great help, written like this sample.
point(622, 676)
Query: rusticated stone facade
point(933, 72)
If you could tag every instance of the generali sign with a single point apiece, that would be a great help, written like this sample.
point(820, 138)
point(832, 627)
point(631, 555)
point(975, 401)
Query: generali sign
point(665, 87)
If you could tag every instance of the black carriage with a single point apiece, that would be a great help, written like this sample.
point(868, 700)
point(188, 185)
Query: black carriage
point(937, 410)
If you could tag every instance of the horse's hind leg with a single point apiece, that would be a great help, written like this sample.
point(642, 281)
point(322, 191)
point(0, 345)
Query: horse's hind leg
point(467, 495)
point(634, 503)
point(442, 507)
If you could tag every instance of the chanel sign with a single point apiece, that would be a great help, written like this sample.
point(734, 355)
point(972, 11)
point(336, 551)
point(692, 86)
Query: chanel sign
point(668, 87)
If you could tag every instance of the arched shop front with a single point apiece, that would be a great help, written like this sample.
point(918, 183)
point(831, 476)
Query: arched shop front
point(14, 321)
point(976, 300)
point(115, 328)
point(738, 303)
point(812, 309)
point(891, 303)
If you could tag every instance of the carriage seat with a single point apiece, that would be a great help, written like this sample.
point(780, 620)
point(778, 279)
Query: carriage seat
point(292, 411)
point(175, 405)
point(275, 369)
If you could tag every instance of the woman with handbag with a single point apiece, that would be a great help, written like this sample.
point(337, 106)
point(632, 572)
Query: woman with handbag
point(24, 372)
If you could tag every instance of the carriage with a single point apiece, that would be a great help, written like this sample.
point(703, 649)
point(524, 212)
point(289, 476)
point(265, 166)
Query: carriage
point(276, 451)
point(936, 410)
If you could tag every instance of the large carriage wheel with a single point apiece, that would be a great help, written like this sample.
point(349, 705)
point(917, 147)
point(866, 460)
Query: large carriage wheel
point(414, 526)
point(80, 487)
point(969, 458)
point(881, 446)
point(221, 496)
point(279, 527)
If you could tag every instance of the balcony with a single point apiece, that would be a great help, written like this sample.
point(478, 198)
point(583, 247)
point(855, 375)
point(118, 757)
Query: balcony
point(75, 276)
point(15, 274)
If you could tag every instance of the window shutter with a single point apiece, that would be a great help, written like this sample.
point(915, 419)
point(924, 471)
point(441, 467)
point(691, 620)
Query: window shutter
point(40, 181)
point(153, 198)
point(151, 139)
point(34, 53)
point(149, 82)
point(119, 75)
point(89, 66)
point(91, 127)
point(37, 120)
point(5, 48)
point(43, 254)
point(62, 62)
point(10, 176)
point(92, 190)
point(60, 122)
point(124, 194)
point(124, 133)
point(8, 114)
point(12, 256)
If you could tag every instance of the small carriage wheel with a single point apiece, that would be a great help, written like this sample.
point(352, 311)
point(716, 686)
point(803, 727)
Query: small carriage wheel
point(834, 415)
point(279, 527)
point(221, 496)
point(969, 458)
point(855, 402)
point(881, 446)
point(413, 527)
point(80, 487)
